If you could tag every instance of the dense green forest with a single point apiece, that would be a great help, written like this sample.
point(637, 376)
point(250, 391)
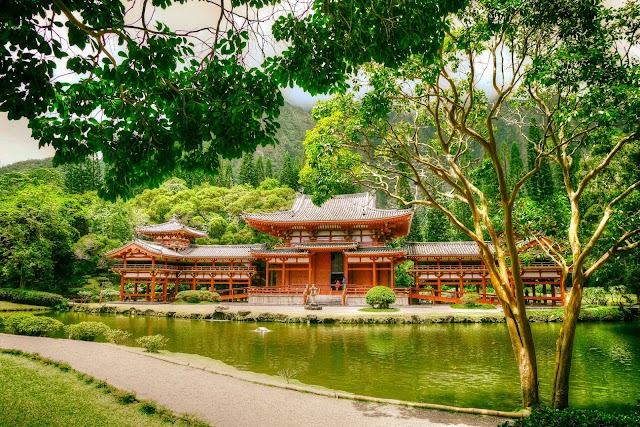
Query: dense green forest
point(54, 229)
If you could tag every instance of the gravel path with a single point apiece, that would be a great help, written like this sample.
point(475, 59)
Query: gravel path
point(224, 400)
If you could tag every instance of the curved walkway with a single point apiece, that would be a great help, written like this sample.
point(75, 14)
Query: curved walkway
point(223, 400)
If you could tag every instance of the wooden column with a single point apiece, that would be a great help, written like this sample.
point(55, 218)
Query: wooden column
point(284, 270)
point(392, 273)
point(268, 272)
point(122, 286)
point(153, 286)
point(211, 285)
point(375, 272)
point(346, 270)
point(484, 286)
point(164, 288)
point(309, 269)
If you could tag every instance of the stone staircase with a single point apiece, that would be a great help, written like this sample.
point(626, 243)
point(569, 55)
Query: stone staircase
point(327, 299)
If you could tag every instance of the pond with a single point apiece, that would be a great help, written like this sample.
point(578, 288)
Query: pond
point(467, 365)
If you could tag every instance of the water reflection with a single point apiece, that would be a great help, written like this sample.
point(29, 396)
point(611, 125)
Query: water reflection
point(469, 365)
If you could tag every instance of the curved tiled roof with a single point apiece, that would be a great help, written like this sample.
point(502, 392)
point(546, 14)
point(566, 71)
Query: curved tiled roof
point(151, 247)
point(221, 251)
point(280, 251)
point(376, 250)
point(170, 226)
point(326, 245)
point(345, 207)
point(443, 248)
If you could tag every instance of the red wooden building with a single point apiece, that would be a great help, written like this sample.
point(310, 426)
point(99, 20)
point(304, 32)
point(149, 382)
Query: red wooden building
point(156, 270)
point(340, 248)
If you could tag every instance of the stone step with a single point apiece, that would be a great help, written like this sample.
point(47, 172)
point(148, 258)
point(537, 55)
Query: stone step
point(327, 299)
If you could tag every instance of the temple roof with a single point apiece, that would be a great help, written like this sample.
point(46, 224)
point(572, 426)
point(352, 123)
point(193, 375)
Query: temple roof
point(171, 226)
point(221, 251)
point(194, 251)
point(376, 250)
point(345, 207)
point(443, 249)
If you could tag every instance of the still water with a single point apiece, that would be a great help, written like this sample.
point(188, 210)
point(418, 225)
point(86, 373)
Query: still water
point(468, 365)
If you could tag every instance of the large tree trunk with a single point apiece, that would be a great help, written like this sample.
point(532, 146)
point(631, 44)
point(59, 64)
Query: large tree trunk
point(524, 350)
point(564, 344)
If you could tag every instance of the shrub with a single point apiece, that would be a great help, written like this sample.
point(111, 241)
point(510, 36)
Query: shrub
point(197, 296)
point(116, 336)
point(152, 343)
point(28, 324)
point(595, 296)
point(85, 296)
point(380, 297)
point(25, 296)
point(189, 296)
point(109, 295)
point(209, 296)
point(548, 417)
point(470, 299)
point(86, 331)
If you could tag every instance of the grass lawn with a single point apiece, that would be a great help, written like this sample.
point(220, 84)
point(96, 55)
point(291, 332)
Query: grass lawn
point(11, 306)
point(379, 310)
point(36, 392)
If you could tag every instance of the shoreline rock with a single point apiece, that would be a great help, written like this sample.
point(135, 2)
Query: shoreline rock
point(552, 315)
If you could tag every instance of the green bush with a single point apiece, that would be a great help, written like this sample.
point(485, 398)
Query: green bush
point(380, 297)
point(197, 296)
point(595, 296)
point(28, 324)
point(548, 417)
point(116, 336)
point(189, 296)
point(209, 296)
point(109, 295)
point(86, 331)
point(470, 299)
point(153, 343)
point(25, 296)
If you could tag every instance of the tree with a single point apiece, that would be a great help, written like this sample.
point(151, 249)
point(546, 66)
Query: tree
point(247, 173)
point(433, 116)
point(87, 175)
point(136, 87)
point(268, 171)
point(540, 186)
point(260, 174)
point(516, 165)
point(36, 235)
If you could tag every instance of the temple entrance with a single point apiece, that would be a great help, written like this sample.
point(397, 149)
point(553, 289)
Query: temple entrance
point(337, 267)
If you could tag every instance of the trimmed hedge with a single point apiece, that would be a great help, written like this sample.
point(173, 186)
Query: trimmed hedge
point(197, 296)
point(86, 331)
point(26, 296)
point(28, 324)
point(153, 343)
point(549, 417)
point(380, 297)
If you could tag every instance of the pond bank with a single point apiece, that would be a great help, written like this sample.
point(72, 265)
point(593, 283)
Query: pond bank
point(340, 314)
point(179, 382)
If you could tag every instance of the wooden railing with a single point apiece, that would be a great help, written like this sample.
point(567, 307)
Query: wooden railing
point(277, 289)
point(169, 267)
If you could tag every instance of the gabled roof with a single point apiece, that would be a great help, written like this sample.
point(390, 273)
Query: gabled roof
point(443, 249)
point(221, 251)
point(150, 247)
point(345, 207)
point(171, 226)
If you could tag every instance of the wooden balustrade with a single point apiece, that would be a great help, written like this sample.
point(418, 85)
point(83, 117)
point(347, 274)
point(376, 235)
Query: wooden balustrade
point(169, 267)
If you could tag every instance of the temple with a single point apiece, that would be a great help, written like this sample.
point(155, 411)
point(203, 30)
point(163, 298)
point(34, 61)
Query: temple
point(339, 250)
